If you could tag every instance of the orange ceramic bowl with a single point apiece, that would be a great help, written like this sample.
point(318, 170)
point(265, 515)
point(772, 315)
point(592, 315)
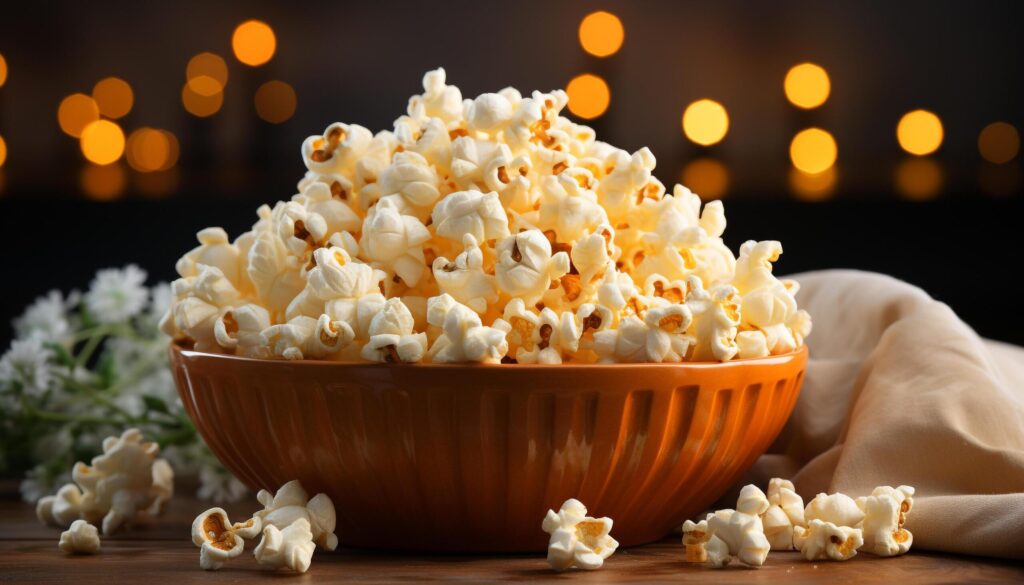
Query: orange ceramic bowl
point(468, 458)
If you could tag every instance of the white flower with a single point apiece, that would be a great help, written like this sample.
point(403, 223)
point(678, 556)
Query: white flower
point(27, 364)
point(46, 318)
point(219, 486)
point(117, 295)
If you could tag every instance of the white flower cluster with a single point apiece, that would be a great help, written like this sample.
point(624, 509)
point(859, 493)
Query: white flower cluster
point(483, 230)
point(832, 526)
point(291, 523)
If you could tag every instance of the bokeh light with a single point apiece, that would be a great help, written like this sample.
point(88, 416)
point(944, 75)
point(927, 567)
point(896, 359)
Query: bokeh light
point(275, 102)
point(919, 179)
point(102, 142)
point(706, 176)
point(102, 183)
point(150, 150)
point(589, 96)
point(113, 97)
point(157, 184)
point(807, 85)
point(3, 70)
point(813, 151)
point(705, 122)
point(919, 132)
point(812, 187)
point(76, 112)
point(200, 105)
point(207, 74)
point(3, 152)
point(601, 33)
point(999, 143)
point(254, 42)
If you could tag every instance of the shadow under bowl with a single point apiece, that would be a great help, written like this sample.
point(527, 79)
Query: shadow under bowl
point(468, 458)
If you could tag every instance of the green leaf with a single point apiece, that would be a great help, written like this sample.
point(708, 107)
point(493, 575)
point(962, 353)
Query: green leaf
point(63, 358)
point(106, 369)
point(155, 404)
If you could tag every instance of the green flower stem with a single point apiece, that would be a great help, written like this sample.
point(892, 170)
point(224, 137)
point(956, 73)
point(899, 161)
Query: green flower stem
point(95, 396)
point(62, 417)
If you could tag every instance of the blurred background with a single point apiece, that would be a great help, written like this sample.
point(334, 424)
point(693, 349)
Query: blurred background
point(874, 135)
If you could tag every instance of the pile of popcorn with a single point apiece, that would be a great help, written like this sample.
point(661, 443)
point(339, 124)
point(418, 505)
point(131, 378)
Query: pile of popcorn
point(830, 527)
point(483, 230)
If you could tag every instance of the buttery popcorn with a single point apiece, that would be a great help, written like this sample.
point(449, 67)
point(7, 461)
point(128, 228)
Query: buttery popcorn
point(885, 512)
point(577, 540)
point(533, 241)
point(219, 539)
point(81, 538)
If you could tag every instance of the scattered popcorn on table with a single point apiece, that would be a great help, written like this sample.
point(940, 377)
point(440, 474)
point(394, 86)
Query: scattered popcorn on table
point(832, 526)
point(127, 479)
point(291, 523)
point(577, 540)
point(508, 209)
point(81, 538)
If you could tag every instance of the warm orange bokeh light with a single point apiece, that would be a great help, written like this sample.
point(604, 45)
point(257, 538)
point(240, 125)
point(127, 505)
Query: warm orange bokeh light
point(102, 142)
point(254, 42)
point(589, 96)
point(919, 132)
point(999, 143)
point(705, 122)
point(173, 150)
point(148, 150)
point(207, 74)
point(816, 187)
point(813, 151)
point(601, 33)
point(102, 183)
point(919, 179)
point(113, 97)
point(76, 112)
point(3, 70)
point(201, 105)
point(807, 85)
point(706, 177)
point(3, 152)
point(275, 102)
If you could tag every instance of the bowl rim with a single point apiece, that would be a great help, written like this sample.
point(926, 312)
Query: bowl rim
point(177, 348)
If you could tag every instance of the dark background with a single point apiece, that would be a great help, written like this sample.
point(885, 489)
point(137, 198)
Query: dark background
point(359, 62)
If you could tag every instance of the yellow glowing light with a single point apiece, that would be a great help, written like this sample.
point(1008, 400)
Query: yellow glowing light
point(173, 150)
point(919, 179)
point(999, 143)
point(3, 152)
point(3, 70)
point(102, 142)
point(589, 96)
point(813, 151)
point(705, 122)
point(114, 97)
point(919, 132)
point(76, 112)
point(816, 187)
point(102, 183)
point(254, 42)
point(275, 101)
point(601, 33)
point(706, 177)
point(207, 74)
point(807, 85)
point(201, 105)
point(148, 150)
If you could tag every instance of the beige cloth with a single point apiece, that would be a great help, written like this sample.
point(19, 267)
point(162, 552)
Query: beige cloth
point(900, 391)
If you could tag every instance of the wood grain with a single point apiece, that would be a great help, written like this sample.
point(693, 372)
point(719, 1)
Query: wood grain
point(159, 551)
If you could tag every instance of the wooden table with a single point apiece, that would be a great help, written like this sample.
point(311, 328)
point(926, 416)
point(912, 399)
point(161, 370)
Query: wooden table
point(160, 550)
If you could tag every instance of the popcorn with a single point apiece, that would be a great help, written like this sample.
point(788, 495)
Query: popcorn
point(499, 205)
point(391, 336)
point(465, 279)
point(80, 538)
point(577, 540)
point(125, 480)
point(218, 539)
point(703, 547)
point(838, 509)
point(742, 533)
point(290, 504)
point(825, 540)
point(885, 512)
point(526, 265)
point(291, 548)
point(784, 514)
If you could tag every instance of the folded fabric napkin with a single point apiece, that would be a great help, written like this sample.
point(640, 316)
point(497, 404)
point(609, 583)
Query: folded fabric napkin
point(899, 390)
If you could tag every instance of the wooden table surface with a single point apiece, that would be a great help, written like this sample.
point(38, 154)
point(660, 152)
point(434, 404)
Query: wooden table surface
point(160, 550)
